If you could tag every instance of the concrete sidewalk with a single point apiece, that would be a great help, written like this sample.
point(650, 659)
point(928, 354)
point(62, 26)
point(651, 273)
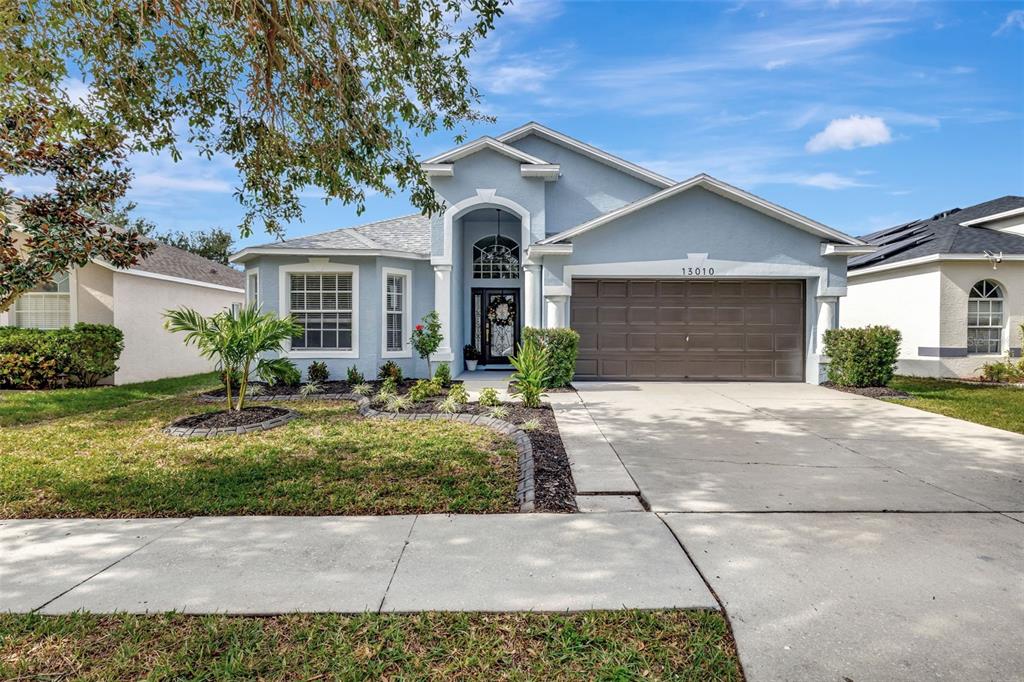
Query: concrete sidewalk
point(263, 565)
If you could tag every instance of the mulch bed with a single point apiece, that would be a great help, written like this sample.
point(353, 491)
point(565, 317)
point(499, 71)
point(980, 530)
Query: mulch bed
point(871, 391)
point(554, 489)
point(234, 418)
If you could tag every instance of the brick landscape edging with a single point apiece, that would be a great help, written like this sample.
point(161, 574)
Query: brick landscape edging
point(265, 425)
point(525, 482)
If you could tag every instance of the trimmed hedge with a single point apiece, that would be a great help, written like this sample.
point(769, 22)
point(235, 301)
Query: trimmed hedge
point(48, 358)
point(561, 346)
point(862, 356)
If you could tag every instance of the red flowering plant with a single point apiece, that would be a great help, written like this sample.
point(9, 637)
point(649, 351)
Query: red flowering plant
point(427, 337)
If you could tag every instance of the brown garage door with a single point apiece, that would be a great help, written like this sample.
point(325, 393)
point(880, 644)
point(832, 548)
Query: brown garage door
point(689, 329)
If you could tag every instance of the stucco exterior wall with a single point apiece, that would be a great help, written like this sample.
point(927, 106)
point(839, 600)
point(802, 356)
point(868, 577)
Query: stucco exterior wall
point(907, 299)
point(150, 351)
point(957, 280)
point(700, 229)
point(928, 304)
point(95, 294)
point(586, 188)
point(369, 294)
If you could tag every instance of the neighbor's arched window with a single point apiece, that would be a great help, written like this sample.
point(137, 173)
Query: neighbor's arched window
point(496, 257)
point(985, 318)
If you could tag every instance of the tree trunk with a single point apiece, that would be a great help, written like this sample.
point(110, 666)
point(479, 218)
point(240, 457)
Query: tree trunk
point(243, 387)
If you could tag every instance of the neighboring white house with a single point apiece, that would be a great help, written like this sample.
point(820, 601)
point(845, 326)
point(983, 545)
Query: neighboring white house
point(952, 284)
point(134, 301)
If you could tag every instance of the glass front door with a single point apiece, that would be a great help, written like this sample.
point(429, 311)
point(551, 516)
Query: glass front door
point(495, 324)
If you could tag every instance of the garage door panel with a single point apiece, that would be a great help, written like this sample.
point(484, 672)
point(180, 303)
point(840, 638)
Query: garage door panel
point(788, 313)
point(689, 329)
point(612, 341)
point(643, 315)
point(613, 288)
point(643, 288)
point(643, 342)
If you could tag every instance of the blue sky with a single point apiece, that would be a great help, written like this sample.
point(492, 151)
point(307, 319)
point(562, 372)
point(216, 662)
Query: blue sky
point(858, 114)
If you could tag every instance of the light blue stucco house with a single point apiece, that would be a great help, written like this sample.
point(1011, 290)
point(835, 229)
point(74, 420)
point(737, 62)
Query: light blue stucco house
point(663, 280)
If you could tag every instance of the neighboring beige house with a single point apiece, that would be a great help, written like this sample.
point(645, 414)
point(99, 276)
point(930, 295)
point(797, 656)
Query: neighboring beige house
point(134, 301)
point(952, 284)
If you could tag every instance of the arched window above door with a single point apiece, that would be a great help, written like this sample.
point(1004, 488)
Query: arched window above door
point(985, 318)
point(496, 257)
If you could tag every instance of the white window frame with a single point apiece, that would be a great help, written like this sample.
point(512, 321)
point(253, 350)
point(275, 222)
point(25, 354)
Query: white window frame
point(406, 351)
point(319, 265)
point(1001, 298)
point(11, 314)
point(252, 287)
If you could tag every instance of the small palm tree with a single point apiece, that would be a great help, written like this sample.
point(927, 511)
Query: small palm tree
point(236, 342)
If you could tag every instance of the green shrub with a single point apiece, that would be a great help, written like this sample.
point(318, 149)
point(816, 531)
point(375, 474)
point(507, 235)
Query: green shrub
point(287, 373)
point(561, 347)
point(354, 376)
point(459, 394)
point(532, 371)
point(443, 375)
point(862, 356)
point(488, 398)
point(45, 358)
point(390, 369)
point(317, 372)
point(424, 389)
point(1004, 371)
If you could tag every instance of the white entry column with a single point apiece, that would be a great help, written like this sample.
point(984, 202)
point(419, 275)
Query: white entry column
point(443, 306)
point(531, 295)
point(826, 319)
point(557, 311)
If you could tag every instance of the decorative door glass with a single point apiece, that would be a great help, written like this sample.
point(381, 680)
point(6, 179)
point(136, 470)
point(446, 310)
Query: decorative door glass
point(501, 325)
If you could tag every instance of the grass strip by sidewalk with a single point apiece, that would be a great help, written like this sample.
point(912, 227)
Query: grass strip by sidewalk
point(597, 645)
point(27, 407)
point(998, 406)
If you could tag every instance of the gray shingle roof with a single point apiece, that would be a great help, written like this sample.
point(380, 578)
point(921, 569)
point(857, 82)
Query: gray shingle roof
point(175, 262)
point(943, 233)
point(409, 233)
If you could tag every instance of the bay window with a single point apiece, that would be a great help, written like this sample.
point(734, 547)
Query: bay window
point(323, 301)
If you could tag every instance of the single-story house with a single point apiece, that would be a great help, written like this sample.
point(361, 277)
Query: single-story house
point(134, 301)
point(953, 284)
point(662, 279)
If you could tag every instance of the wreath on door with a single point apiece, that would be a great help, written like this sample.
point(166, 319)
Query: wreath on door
point(502, 311)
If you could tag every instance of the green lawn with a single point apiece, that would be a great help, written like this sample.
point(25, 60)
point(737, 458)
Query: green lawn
point(24, 407)
point(998, 406)
point(117, 463)
point(600, 645)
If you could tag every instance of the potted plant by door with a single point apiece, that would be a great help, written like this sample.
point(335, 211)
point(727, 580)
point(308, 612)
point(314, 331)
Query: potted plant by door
point(472, 356)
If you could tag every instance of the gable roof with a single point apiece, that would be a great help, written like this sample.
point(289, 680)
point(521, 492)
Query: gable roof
point(563, 140)
point(956, 231)
point(722, 189)
point(406, 236)
point(170, 261)
point(479, 144)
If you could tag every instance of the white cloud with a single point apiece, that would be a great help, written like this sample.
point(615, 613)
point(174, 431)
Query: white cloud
point(829, 181)
point(1013, 20)
point(850, 133)
point(158, 182)
point(511, 78)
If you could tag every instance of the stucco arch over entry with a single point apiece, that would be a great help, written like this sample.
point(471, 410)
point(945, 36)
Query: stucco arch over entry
point(484, 198)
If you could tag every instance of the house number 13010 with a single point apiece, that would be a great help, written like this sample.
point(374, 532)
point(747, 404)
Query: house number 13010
point(699, 272)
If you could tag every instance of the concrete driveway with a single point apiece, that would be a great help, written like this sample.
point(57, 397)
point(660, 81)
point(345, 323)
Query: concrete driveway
point(847, 538)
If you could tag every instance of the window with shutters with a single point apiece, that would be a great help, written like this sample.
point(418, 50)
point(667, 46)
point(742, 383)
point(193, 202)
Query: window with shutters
point(985, 318)
point(323, 304)
point(396, 299)
point(47, 306)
